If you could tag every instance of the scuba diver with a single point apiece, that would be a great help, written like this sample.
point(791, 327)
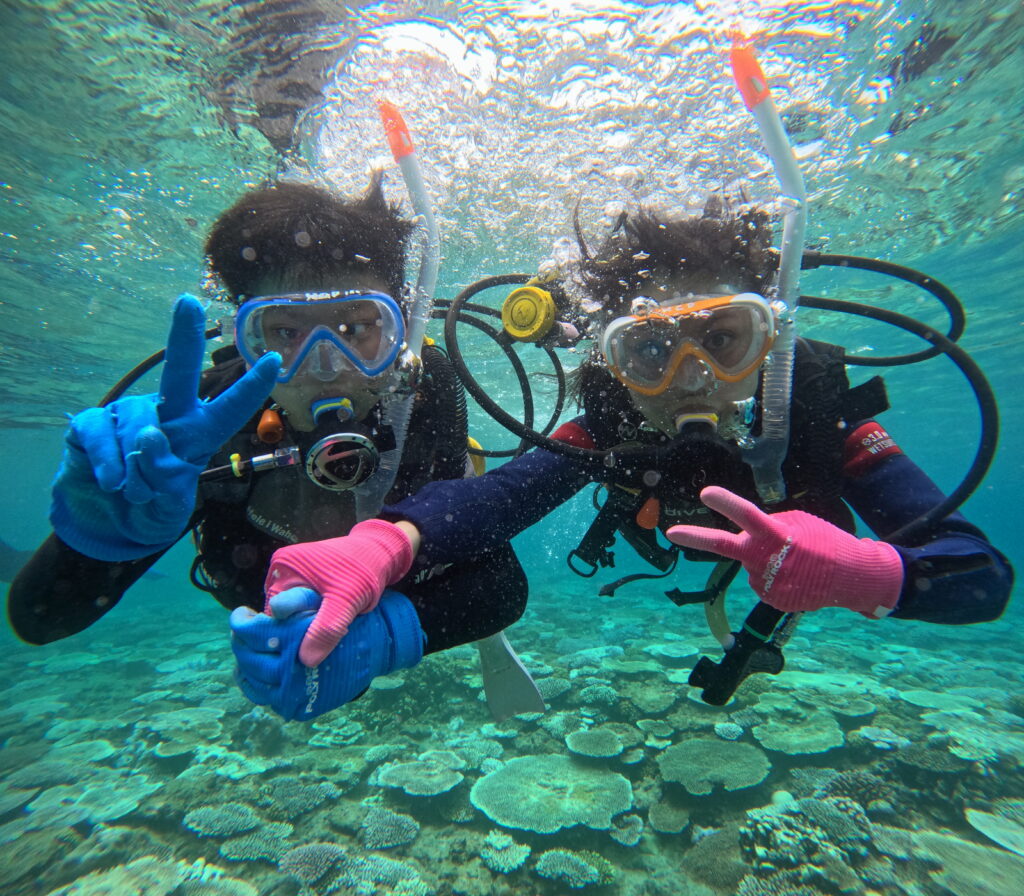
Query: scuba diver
point(709, 419)
point(286, 443)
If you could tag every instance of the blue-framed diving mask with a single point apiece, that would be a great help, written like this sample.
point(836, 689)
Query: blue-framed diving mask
point(322, 334)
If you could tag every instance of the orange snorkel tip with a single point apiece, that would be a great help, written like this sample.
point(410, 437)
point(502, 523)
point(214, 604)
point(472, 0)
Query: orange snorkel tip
point(395, 130)
point(747, 74)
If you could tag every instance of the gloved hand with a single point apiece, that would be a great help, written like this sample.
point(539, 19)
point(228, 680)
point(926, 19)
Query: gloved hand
point(266, 648)
point(797, 561)
point(350, 573)
point(127, 484)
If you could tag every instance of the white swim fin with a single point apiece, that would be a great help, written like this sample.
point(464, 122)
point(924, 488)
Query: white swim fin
point(508, 687)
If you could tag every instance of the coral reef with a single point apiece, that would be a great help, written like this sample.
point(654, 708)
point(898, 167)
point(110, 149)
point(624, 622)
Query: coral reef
point(418, 778)
point(701, 763)
point(576, 870)
point(382, 829)
point(223, 820)
point(600, 741)
point(502, 854)
point(547, 792)
point(166, 781)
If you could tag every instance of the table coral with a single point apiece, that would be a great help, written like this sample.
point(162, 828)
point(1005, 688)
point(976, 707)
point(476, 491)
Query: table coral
point(547, 792)
point(599, 695)
point(666, 818)
point(969, 869)
point(552, 688)
point(289, 797)
point(573, 869)
point(222, 820)
point(702, 762)
point(1005, 831)
point(598, 742)
point(813, 732)
point(627, 829)
point(382, 829)
point(417, 778)
point(268, 842)
point(147, 874)
point(311, 861)
point(502, 854)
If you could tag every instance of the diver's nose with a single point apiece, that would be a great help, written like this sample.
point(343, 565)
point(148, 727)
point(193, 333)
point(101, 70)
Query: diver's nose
point(322, 363)
point(695, 376)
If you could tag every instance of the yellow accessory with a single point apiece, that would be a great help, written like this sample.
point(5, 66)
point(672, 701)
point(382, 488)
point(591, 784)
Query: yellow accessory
point(478, 461)
point(528, 313)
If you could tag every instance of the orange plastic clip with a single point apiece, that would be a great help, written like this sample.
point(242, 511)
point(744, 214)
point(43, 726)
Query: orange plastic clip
point(395, 130)
point(647, 516)
point(750, 80)
point(270, 429)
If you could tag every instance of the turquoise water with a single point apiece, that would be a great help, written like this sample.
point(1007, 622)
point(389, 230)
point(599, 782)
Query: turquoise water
point(891, 752)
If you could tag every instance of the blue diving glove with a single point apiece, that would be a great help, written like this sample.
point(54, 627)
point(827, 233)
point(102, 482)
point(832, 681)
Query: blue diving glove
point(127, 485)
point(269, 673)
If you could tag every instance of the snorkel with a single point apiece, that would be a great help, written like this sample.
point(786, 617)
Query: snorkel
point(765, 455)
point(370, 495)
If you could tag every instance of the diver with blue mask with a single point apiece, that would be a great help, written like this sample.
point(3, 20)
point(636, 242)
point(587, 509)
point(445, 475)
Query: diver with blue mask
point(338, 353)
point(273, 446)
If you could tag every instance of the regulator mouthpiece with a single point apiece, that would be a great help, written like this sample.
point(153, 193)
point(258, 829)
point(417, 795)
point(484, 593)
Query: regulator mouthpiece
point(341, 407)
point(694, 423)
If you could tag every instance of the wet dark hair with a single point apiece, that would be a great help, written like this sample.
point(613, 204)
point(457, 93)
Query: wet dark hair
point(733, 249)
point(649, 246)
point(294, 232)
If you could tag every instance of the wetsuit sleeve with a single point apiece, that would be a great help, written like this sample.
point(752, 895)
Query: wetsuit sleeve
point(60, 592)
point(953, 575)
point(461, 518)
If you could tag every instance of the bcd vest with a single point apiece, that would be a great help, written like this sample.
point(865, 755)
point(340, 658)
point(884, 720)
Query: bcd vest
point(824, 409)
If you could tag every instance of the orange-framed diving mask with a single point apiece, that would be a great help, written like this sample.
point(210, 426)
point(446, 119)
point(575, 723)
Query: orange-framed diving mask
point(730, 335)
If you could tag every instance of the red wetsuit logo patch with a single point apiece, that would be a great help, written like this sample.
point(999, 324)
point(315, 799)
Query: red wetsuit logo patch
point(868, 444)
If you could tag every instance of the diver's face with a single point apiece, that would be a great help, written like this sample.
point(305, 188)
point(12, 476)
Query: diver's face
point(694, 389)
point(296, 396)
point(663, 410)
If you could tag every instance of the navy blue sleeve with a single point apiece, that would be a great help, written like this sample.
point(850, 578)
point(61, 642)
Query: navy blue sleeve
point(952, 575)
point(460, 518)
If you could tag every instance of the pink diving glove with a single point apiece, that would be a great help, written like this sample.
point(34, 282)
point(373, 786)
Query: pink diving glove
point(350, 573)
point(797, 561)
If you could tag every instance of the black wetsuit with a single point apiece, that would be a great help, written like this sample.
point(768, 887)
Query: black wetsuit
point(239, 523)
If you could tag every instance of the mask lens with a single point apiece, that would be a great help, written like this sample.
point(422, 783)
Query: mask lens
point(322, 335)
point(731, 336)
point(646, 349)
point(725, 335)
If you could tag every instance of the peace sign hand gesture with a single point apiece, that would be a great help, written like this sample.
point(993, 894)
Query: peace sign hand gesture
point(127, 484)
point(797, 561)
